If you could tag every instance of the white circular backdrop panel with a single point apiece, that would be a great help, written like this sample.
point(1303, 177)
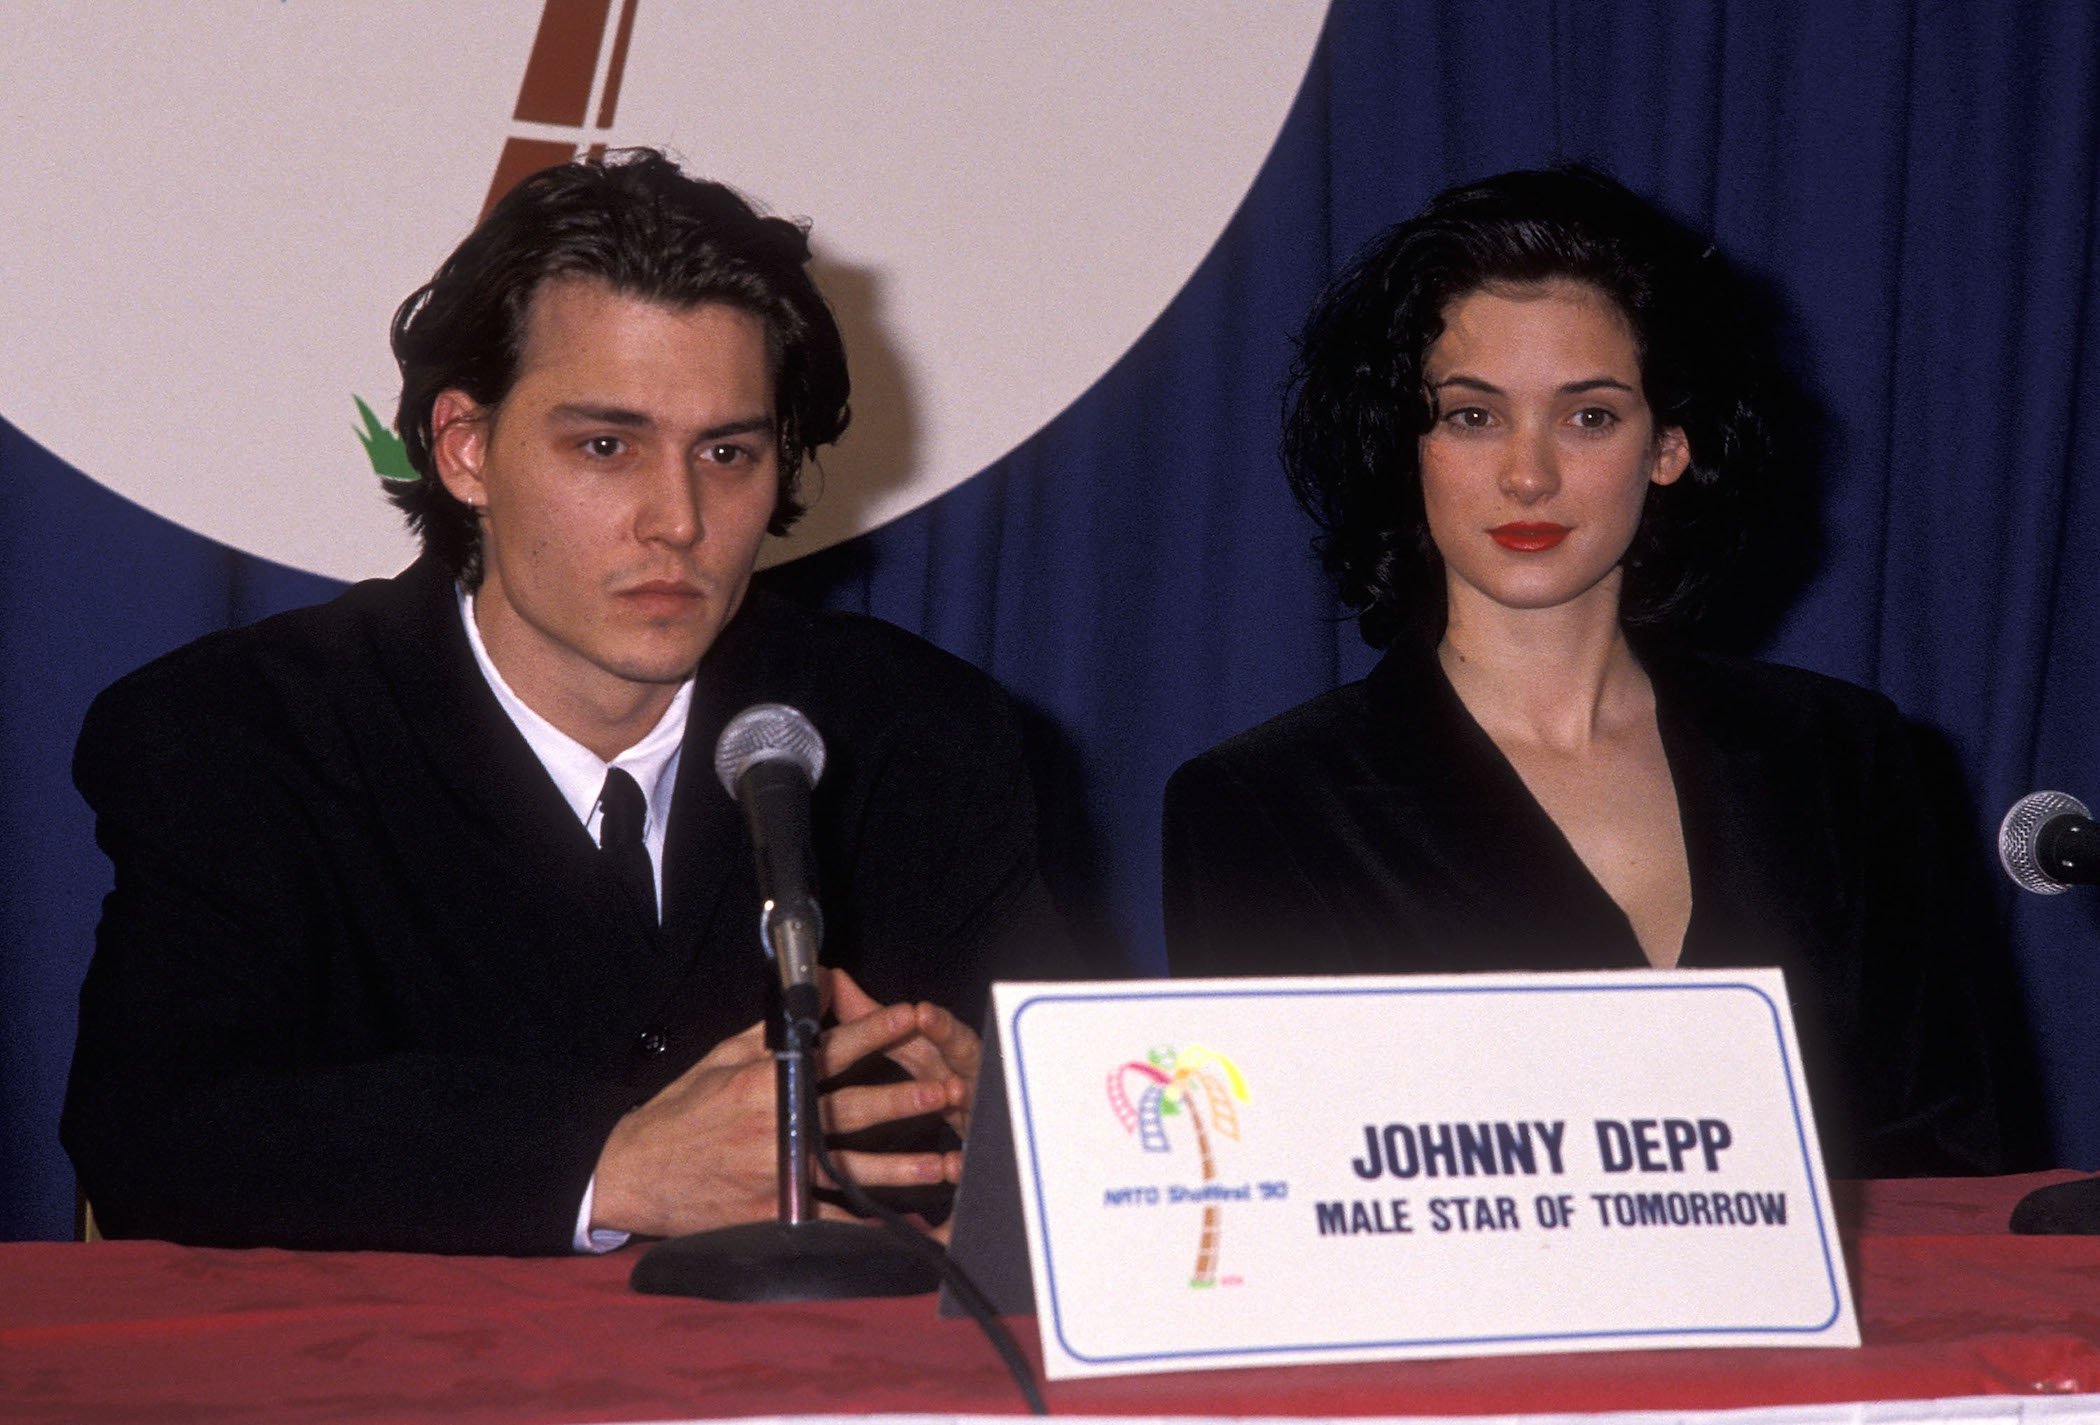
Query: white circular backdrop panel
point(213, 209)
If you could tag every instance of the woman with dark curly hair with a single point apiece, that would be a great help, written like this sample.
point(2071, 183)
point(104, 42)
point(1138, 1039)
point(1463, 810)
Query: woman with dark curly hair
point(1524, 422)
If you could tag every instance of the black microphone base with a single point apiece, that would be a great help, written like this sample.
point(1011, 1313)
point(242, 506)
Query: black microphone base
point(772, 1261)
point(2061, 1209)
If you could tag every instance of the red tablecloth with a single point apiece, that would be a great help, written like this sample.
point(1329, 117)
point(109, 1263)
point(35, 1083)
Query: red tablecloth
point(1949, 1306)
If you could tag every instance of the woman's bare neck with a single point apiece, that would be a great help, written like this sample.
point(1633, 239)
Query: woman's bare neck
point(1560, 678)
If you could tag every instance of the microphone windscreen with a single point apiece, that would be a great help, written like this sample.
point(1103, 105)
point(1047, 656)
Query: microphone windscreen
point(2020, 832)
point(766, 732)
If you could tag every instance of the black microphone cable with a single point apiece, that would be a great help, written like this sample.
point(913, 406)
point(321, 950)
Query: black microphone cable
point(973, 1299)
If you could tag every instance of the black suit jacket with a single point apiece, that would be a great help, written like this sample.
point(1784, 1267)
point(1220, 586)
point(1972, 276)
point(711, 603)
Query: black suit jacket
point(1378, 829)
point(362, 981)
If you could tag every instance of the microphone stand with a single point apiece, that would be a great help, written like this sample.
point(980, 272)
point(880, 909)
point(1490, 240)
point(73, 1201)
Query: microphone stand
point(2047, 844)
point(798, 1257)
point(2069, 1209)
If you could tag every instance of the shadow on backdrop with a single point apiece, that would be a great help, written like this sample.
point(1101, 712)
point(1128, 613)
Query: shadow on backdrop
point(2016, 1081)
point(880, 448)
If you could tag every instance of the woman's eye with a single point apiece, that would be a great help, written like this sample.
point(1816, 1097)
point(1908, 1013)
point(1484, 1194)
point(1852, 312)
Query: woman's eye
point(727, 454)
point(1596, 418)
point(1468, 418)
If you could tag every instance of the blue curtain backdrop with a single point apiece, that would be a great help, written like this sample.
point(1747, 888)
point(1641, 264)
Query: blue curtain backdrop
point(1913, 183)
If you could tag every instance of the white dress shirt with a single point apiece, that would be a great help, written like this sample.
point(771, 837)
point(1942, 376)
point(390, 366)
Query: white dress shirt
point(579, 775)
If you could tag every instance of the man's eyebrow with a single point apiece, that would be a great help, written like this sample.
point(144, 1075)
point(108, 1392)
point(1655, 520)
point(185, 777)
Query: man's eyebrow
point(747, 426)
point(620, 417)
point(583, 413)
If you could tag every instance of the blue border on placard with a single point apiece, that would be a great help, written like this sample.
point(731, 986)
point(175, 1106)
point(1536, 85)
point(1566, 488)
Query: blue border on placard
point(1823, 1234)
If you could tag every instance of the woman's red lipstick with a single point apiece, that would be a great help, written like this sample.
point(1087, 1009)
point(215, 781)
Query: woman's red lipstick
point(1528, 536)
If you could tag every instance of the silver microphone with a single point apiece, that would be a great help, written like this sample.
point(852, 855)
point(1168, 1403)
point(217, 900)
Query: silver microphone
point(768, 758)
point(2048, 843)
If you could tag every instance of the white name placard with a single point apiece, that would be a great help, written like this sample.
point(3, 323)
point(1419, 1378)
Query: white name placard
point(1256, 1172)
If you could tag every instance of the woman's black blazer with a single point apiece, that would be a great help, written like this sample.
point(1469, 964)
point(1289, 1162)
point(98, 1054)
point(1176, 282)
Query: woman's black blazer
point(1377, 829)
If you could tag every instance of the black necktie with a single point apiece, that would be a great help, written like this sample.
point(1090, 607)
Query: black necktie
point(620, 840)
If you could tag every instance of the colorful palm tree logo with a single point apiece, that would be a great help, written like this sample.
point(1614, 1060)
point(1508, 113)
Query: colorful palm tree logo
point(1193, 1083)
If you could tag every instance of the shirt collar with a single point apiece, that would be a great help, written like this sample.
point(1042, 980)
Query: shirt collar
point(578, 772)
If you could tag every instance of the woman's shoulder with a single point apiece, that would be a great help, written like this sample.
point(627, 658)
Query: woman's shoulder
point(1397, 726)
point(1769, 702)
point(1766, 687)
point(1317, 739)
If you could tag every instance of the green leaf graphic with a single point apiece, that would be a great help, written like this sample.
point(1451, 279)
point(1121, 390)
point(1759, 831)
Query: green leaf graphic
point(383, 448)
